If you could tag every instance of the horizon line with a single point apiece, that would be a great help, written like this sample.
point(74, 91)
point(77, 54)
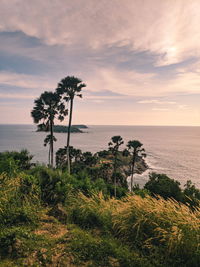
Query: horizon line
point(139, 125)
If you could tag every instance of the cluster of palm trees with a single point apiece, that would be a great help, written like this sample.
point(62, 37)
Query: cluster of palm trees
point(58, 104)
point(134, 150)
point(75, 156)
point(109, 161)
point(54, 105)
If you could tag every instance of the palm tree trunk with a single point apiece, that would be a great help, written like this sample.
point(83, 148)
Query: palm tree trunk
point(51, 142)
point(131, 177)
point(133, 168)
point(115, 190)
point(49, 154)
point(68, 134)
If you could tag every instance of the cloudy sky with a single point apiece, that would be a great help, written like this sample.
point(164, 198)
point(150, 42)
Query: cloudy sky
point(140, 59)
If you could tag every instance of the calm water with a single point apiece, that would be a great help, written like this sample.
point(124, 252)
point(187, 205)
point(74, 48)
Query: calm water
point(171, 150)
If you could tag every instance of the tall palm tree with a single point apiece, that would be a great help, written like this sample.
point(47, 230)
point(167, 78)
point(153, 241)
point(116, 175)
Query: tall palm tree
point(135, 149)
point(114, 145)
point(68, 88)
point(46, 108)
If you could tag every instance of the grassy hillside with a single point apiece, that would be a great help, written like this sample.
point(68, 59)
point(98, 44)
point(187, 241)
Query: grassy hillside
point(51, 218)
point(93, 230)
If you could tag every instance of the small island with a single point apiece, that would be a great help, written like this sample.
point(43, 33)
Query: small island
point(62, 128)
point(80, 126)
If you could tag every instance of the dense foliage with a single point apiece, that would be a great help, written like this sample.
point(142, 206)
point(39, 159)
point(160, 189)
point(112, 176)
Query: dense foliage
point(51, 218)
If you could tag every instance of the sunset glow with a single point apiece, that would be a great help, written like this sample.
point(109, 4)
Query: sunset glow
point(139, 59)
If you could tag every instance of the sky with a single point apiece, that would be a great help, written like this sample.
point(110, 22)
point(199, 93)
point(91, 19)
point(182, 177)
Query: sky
point(140, 59)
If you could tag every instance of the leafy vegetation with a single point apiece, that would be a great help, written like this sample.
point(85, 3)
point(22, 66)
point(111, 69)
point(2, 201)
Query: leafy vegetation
point(51, 218)
point(161, 184)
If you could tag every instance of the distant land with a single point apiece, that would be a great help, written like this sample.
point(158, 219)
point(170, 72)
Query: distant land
point(62, 128)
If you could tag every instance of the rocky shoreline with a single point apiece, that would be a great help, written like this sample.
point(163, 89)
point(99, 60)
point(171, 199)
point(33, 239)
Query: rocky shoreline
point(140, 167)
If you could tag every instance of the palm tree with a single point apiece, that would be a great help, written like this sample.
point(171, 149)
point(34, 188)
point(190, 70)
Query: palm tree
point(75, 155)
point(114, 145)
point(68, 88)
point(47, 106)
point(135, 149)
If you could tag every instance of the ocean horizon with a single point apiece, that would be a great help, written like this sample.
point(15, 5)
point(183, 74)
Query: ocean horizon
point(172, 150)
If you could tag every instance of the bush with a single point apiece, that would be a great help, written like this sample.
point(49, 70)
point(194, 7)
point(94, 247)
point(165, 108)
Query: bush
point(19, 199)
point(140, 192)
point(12, 215)
point(21, 159)
point(161, 184)
point(191, 195)
point(29, 187)
point(8, 166)
point(82, 182)
point(54, 184)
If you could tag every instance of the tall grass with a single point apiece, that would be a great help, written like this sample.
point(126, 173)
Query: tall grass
point(150, 222)
point(92, 212)
point(19, 199)
point(158, 228)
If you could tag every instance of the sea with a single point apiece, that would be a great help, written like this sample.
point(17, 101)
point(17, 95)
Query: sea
point(173, 150)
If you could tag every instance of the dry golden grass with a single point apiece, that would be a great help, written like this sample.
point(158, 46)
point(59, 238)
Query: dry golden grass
point(148, 222)
point(158, 222)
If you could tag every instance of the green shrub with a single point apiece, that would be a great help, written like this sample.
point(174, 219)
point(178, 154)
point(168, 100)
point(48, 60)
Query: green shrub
point(19, 199)
point(140, 192)
point(120, 191)
point(82, 182)
point(8, 166)
point(161, 184)
point(54, 184)
point(21, 160)
point(13, 215)
point(191, 195)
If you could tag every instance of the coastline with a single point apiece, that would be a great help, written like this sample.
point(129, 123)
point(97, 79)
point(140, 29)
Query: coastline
point(164, 157)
